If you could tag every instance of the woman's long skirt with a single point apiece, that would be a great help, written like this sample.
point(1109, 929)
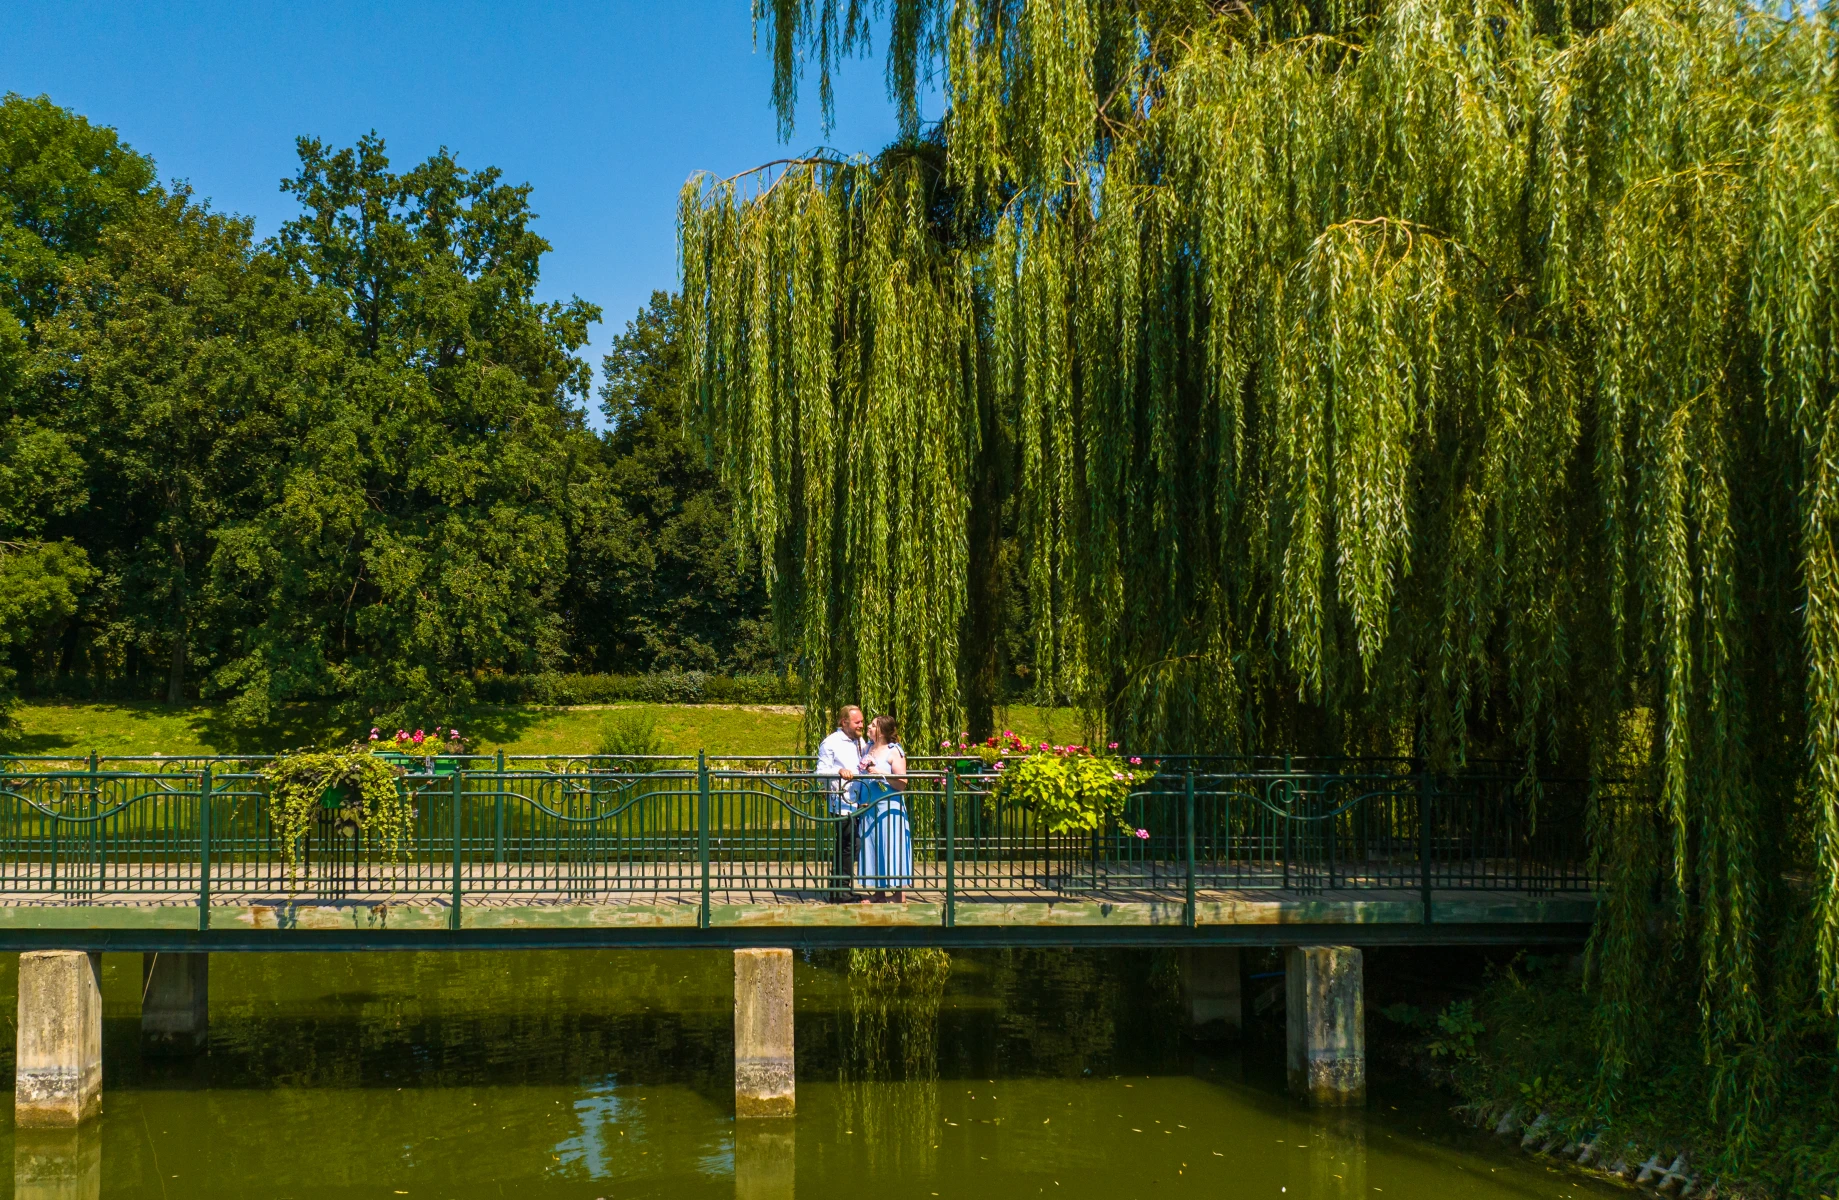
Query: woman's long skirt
point(884, 845)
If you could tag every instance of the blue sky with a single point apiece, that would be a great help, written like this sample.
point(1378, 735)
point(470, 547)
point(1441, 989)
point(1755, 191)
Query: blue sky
point(604, 108)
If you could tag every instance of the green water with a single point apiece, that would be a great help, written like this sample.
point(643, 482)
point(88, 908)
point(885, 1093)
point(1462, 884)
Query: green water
point(587, 1074)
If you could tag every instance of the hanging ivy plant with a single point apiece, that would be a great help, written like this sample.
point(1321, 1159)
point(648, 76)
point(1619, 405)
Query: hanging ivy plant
point(362, 787)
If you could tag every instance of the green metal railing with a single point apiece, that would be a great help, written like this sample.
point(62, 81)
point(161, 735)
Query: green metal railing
point(702, 831)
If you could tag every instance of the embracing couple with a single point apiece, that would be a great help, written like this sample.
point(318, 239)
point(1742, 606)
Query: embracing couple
point(874, 839)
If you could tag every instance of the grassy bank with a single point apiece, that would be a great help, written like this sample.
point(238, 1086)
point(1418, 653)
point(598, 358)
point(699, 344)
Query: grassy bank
point(1526, 1042)
point(147, 728)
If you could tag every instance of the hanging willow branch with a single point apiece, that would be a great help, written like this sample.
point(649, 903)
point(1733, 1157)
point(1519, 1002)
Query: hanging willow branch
point(1446, 375)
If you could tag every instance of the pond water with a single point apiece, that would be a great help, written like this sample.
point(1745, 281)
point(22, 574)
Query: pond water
point(581, 1074)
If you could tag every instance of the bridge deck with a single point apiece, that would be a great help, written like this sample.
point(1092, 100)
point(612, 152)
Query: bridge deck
point(131, 920)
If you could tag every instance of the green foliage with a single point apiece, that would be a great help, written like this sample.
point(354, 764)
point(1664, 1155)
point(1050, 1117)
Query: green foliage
point(39, 585)
point(656, 583)
point(62, 181)
point(366, 789)
point(1539, 1053)
point(420, 530)
point(1072, 789)
point(921, 969)
point(1406, 377)
point(630, 733)
point(1459, 1028)
point(661, 687)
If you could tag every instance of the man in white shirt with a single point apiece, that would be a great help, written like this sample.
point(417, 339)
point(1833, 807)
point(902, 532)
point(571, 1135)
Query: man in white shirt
point(838, 756)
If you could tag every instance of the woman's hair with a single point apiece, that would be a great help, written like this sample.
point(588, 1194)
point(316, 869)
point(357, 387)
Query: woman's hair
point(885, 726)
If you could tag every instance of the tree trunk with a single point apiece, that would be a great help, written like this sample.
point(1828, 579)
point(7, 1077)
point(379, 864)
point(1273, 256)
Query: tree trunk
point(175, 681)
point(983, 605)
point(181, 628)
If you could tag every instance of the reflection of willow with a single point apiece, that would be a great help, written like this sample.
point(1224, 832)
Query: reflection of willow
point(889, 1068)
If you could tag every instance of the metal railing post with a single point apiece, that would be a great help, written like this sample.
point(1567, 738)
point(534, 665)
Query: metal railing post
point(204, 851)
point(1426, 807)
point(951, 848)
point(1188, 823)
point(702, 828)
point(95, 825)
point(453, 915)
point(498, 812)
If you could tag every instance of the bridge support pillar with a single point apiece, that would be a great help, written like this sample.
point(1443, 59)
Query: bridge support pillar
point(1326, 1015)
point(1210, 991)
point(58, 1065)
point(765, 1082)
point(175, 1009)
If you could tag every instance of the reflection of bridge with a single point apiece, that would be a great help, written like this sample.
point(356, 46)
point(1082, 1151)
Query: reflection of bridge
point(176, 857)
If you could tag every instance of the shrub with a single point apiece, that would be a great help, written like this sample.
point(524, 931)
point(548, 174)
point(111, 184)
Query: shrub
point(662, 687)
point(630, 733)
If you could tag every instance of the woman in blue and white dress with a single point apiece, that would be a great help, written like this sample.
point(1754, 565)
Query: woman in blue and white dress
point(884, 846)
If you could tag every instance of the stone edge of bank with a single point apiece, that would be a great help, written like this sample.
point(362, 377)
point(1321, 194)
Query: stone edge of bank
point(1657, 1171)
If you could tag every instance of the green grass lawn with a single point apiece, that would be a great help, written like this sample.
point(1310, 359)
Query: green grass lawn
point(148, 728)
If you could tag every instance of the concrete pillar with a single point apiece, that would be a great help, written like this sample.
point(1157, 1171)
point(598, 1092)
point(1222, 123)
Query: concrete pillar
point(175, 1003)
point(764, 1080)
point(58, 1068)
point(1210, 991)
point(58, 1164)
point(765, 1160)
point(1327, 1023)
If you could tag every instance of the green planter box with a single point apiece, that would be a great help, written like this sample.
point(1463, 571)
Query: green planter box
point(443, 765)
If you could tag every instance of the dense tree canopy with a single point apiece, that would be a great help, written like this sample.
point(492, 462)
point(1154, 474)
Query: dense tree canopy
point(1426, 375)
point(351, 463)
point(664, 587)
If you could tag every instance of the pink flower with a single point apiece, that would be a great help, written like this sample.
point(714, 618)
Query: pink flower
point(1113, 745)
point(1043, 745)
point(1143, 833)
point(402, 735)
point(1117, 774)
point(999, 766)
point(944, 742)
point(453, 734)
point(1136, 762)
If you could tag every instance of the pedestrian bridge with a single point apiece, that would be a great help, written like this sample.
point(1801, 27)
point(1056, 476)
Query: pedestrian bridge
point(181, 853)
point(179, 858)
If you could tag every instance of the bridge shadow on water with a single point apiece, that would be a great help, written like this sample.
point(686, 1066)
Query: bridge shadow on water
point(540, 1018)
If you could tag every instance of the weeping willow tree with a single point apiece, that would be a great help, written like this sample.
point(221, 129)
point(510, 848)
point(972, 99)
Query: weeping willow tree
point(1443, 376)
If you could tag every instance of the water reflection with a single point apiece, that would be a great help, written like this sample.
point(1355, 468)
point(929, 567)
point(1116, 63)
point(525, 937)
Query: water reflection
point(1337, 1166)
point(576, 1074)
point(765, 1160)
point(887, 1071)
point(57, 1164)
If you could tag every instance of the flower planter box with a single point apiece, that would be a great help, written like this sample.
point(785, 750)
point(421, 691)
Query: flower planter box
point(420, 764)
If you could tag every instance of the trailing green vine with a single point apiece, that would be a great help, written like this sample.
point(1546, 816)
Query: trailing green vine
point(362, 789)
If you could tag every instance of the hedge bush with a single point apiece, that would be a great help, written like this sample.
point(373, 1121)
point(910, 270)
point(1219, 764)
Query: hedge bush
point(668, 687)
